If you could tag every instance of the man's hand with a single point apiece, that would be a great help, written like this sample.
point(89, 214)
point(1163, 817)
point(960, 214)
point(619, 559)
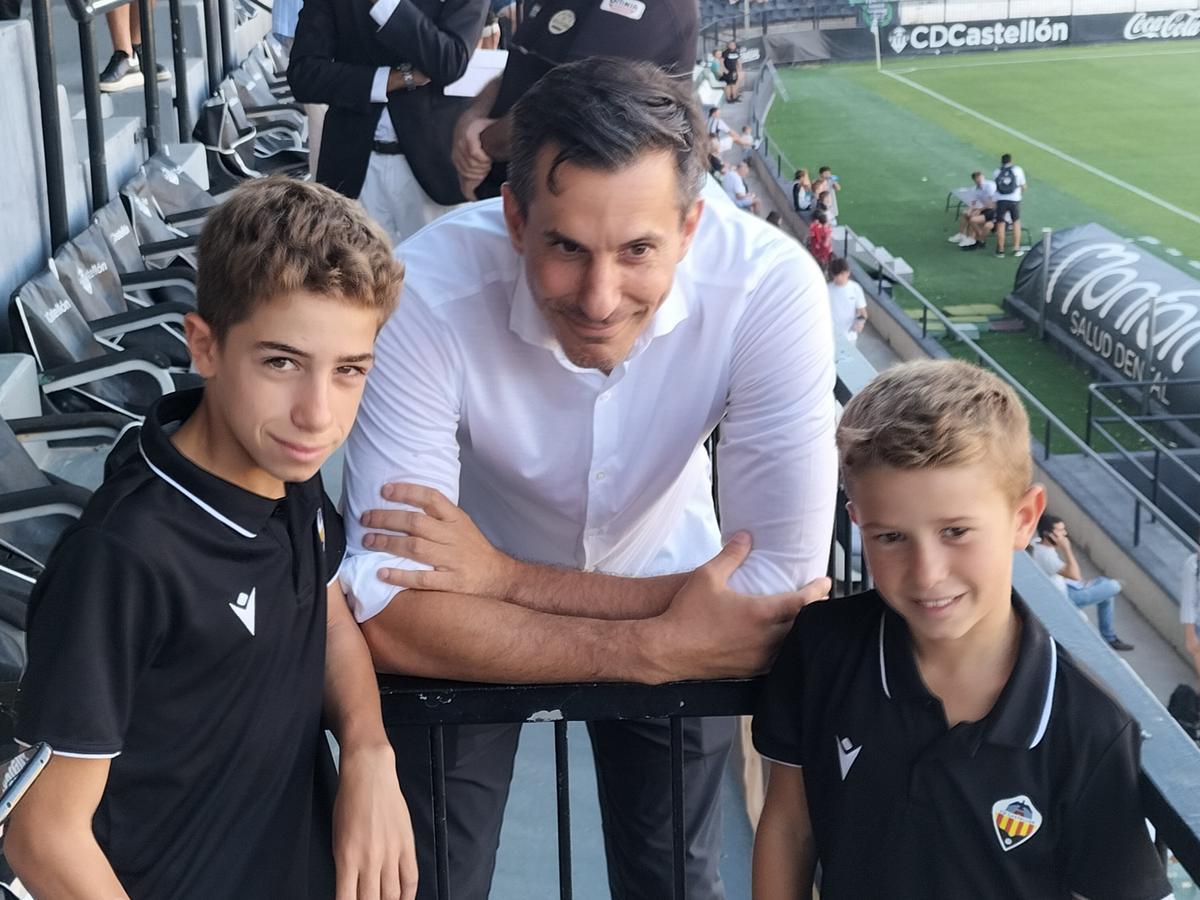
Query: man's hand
point(395, 81)
point(711, 631)
point(373, 843)
point(441, 536)
point(470, 159)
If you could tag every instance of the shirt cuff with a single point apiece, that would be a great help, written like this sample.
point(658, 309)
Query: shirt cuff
point(382, 11)
point(359, 577)
point(379, 85)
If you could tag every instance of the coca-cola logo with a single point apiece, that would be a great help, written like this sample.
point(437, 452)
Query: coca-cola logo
point(1182, 23)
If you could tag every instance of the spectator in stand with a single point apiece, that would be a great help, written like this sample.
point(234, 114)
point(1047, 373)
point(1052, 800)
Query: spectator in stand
point(820, 239)
point(124, 69)
point(846, 300)
point(1010, 189)
point(382, 69)
point(824, 203)
point(802, 191)
point(734, 183)
point(1053, 554)
point(732, 58)
point(716, 66)
point(716, 165)
point(833, 184)
point(1189, 609)
point(978, 216)
point(554, 32)
point(747, 140)
point(718, 128)
point(284, 15)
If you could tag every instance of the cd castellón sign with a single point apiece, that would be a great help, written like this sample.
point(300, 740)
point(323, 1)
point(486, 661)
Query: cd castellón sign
point(1109, 299)
point(952, 36)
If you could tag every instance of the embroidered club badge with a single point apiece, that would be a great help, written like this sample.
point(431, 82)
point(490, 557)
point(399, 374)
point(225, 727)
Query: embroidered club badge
point(1016, 820)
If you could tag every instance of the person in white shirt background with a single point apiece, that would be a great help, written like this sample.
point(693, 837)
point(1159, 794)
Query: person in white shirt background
point(543, 404)
point(1189, 608)
point(1054, 555)
point(846, 300)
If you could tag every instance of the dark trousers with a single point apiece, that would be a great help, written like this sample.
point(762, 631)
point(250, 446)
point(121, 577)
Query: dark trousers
point(633, 777)
point(10, 9)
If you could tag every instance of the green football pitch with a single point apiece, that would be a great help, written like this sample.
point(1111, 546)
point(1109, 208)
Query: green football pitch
point(1105, 133)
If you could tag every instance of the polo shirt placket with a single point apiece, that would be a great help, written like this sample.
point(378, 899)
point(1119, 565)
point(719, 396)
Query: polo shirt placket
point(904, 806)
point(194, 659)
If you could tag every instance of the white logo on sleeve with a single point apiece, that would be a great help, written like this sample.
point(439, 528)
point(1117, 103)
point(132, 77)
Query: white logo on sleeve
point(244, 608)
point(847, 754)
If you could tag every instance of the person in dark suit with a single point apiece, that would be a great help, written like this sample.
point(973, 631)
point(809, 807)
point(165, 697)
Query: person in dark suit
point(382, 67)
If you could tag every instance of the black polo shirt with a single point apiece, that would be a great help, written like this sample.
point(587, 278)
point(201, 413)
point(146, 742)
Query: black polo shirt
point(179, 629)
point(1036, 800)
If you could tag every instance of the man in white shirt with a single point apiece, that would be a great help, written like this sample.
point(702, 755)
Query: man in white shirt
point(734, 182)
point(978, 217)
point(846, 300)
point(555, 366)
point(1054, 555)
point(1189, 607)
point(1010, 188)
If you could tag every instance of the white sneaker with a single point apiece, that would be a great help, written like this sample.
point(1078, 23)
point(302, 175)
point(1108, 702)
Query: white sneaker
point(957, 238)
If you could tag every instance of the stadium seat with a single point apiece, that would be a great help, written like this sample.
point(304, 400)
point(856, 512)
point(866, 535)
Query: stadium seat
point(80, 369)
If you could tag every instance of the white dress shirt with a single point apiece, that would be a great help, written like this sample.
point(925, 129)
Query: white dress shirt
point(471, 394)
point(385, 132)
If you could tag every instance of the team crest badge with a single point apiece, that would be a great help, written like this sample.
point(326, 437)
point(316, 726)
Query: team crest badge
point(1016, 820)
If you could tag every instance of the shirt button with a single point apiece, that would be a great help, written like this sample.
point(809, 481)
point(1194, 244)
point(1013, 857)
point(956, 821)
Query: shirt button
point(605, 397)
point(600, 476)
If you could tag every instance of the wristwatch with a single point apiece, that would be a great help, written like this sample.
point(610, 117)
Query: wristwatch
point(406, 72)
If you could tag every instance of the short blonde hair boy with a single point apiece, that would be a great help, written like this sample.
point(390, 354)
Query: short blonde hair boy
point(937, 414)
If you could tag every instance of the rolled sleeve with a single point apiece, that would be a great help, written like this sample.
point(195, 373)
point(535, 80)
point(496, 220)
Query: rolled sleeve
point(777, 460)
point(406, 431)
point(379, 85)
point(382, 11)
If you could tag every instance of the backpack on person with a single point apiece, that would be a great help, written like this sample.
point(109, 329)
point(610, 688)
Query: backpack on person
point(1184, 707)
point(1006, 180)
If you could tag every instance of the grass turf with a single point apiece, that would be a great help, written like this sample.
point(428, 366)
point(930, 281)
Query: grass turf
point(1128, 111)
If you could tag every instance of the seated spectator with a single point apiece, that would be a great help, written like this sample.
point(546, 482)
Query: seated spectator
point(746, 139)
point(716, 165)
point(833, 185)
point(802, 195)
point(978, 217)
point(1053, 554)
point(820, 239)
point(1189, 607)
point(846, 301)
point(718, 128)
point(734, 183)
point(716, 68)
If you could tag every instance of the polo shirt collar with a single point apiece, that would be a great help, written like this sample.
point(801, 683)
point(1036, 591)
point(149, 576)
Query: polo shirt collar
point(243, 511)
point(1022, 712)
point(526, 321)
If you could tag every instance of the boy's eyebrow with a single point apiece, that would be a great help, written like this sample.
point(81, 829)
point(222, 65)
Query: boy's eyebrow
point(295, 351)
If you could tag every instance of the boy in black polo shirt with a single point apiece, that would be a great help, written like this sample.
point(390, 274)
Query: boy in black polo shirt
point(930, 739)
point(188, 631)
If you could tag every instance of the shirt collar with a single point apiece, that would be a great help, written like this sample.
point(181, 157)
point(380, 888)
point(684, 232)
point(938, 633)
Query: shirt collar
point(243, 511)
point(526, 321)
point(1022, 712)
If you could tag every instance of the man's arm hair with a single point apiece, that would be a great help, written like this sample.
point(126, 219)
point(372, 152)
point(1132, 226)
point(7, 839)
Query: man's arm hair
point(49, 840)
point(785, 852)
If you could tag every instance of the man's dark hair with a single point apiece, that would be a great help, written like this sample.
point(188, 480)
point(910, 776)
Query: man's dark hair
point(819, 216)
point(1006, 159)
point(976, 174)
point(800, 173)
point(1047, 523)
point(824, 169)
point(837, 266)
point(603, 113)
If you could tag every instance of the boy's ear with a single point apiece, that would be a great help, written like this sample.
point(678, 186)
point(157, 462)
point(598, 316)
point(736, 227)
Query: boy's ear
point(850, 508)
point(1029, 509)
point(202, 344)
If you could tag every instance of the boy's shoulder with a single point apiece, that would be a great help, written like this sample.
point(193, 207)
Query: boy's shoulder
point(857, 614)
point(1083, 710)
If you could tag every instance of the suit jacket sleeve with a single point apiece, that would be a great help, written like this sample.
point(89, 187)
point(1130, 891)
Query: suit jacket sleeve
point(441, 49)
point(314, 74)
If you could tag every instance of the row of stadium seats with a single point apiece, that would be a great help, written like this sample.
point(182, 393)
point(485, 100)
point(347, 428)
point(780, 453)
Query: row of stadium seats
point(774, 11)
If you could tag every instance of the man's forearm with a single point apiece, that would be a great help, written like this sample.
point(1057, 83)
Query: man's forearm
point(595, 595)
point(441, 635)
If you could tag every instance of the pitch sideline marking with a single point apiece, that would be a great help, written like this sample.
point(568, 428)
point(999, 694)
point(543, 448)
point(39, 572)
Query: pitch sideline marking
point(1025, 62)
point(1053, 151)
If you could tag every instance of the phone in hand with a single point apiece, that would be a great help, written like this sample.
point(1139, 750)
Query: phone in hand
point(19, 773)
